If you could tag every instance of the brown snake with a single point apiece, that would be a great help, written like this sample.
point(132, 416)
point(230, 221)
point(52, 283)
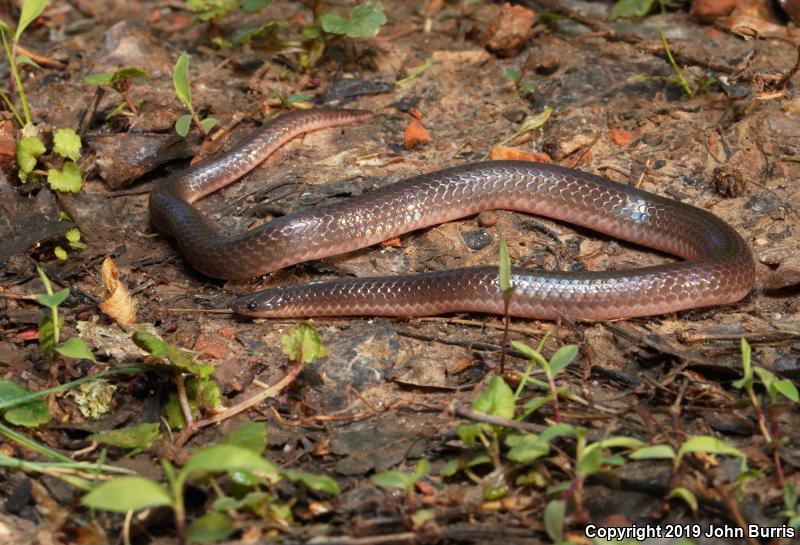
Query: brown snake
point(718, 266)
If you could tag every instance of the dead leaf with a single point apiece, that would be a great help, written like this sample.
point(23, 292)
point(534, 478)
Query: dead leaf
point(501, 153)
point(118, 305)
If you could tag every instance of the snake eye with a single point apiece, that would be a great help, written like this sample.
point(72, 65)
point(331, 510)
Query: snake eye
point(252, 306)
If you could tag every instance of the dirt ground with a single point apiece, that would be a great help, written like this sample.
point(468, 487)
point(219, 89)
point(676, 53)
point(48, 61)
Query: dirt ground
point(380, 399)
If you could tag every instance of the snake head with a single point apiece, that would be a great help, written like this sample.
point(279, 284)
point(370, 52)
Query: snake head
point(261, 304)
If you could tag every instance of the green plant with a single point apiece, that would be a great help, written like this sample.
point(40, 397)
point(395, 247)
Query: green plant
point(51, 324)
point(681, 79)
point(530, 123)
point(31, 9)
point(196, 391)
point(239, 456)
point(792, 511)
point(635, 8)
point(180, 77)
point(557, 363)
point(121, 81)
point(407, 483)
point(696, 444)
point(207, 10)
point(516, 76)
point(507, 292)
point(363, 21)
point(777, 391)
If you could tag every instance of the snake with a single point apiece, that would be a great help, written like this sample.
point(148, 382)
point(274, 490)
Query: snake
point(716, 266)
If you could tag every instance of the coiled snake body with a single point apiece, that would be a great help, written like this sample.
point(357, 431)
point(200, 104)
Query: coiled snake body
point(717, 269)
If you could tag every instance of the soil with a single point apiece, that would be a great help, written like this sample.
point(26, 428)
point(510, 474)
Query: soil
point(383, 397)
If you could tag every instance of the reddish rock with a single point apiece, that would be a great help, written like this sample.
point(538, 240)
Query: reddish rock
point(212, 345)
point(416, 134)
point(505, 153)
point(621, 137)
point(708, 10)
point(506, 34)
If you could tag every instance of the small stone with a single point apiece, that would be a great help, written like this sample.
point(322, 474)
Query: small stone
point(621, 137)
point(416, 135)
point(506, 34)
point(477, 239)
point(211, 344)
point(707, 11)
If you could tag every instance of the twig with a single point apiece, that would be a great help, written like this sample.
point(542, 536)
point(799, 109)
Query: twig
point(781, 83)
point(230, 412)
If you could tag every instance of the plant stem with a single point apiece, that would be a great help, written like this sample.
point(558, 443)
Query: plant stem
point(12, 108)
point(13, 62)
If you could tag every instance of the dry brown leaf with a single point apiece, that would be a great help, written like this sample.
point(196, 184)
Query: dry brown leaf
point(499, 153)
point(118, 305)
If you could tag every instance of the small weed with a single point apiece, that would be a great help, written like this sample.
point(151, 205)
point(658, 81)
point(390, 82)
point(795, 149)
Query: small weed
point(183, 89)
point(407, 483)
point(121, 81)
point(522, 87)
point(635, 8)
point(778, 391)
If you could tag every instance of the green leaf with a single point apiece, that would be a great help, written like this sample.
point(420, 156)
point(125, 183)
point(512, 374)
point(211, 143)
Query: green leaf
point(94, 398)
point(511, 74)
point(527, 448)
point(421, 516)
point(364, 21)
point(653, 452)
point(75, 348)
point(294, 98)
point(161, 349)
point(230, 459)
point(253, 6)
point(28, 151)
point(563, 357)
point(209, 123)
point(747, 378)
point(30, 414)
point(468, 433)
point(393, 479)
point(709, 445)
point(422, 469)
point(5, 27)
point(311, 32)
point(302, 343)
point(631, 8)
point(47, 338)
point(127, 73)
point(318, 483)
point(60, 253)
point(554, 519)
point(787, 389)
point(68, 179)
point(31, 9)
point(73, 236)
point(127, 494)
point(789, 496)
point(210, 528)
point(100, 78)
point(250, 435)
point(141, 436)
point(67, 144)
point(25, 59)
point(496, 400)
point(53, 300)
point(505, 268)
point(182, 124)
point(686, 495)
point(211, 9)
point(180, 77)
point(532, 354)
point(590, 462)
